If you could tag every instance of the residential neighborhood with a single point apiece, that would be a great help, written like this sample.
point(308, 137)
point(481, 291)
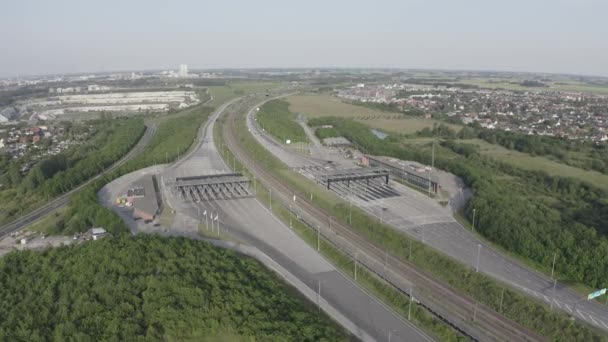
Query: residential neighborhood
point(573, 115)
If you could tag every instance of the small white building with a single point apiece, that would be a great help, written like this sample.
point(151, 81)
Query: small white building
point(98, 233)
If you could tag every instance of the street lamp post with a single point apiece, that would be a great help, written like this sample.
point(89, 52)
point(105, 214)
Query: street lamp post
point(409, 309)
point(410, 258)
point(478, 254)
point(350, 212)
point(473, 219)
point(355, 266)
point(553, 267)
point(389, 334)
point(218, 224)
point(318, 238)
point(319, 296)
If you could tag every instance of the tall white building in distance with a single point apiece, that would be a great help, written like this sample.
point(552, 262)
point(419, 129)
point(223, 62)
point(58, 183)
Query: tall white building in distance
point(183, 70)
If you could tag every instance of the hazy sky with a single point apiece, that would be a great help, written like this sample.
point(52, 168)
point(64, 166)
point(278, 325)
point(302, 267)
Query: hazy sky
point(561, 36)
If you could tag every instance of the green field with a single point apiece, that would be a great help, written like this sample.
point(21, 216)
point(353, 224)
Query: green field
point(51, 224)
point(528, 162)
point(323, 105)
point(222, 94)
point(275, 118)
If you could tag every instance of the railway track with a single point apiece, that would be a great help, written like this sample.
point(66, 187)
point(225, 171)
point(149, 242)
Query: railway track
point(64, 199)
point(464, 313)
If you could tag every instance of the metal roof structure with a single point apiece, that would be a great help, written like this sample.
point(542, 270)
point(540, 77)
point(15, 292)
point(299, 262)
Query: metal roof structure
point(212, 187)
point(336, 141)
point(407, 167)
point(149, 202)
point(354, 175)
point(211, 179)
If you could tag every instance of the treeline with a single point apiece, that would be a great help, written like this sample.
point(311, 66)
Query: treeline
point(58, 174)
point(529, 213)
point(579, 154)
point(584, 155)
point(275, 118)
point(173, 137)
point(153, 289)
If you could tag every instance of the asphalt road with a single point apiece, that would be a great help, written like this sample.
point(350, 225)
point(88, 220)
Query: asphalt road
point(428, 222)
point(63, 199)
point(250, 222)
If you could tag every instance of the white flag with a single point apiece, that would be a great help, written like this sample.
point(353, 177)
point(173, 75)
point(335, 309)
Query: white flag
point(216, 216)
point(205, 212)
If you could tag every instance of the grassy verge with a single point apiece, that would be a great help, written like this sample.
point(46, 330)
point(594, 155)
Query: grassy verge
point(275, 118)
point(514, 305)
point(386, 293)
point(51, 224)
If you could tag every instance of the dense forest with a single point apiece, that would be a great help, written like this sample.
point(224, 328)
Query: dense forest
point(56, 174)
point(150, 288)
point(527, 212)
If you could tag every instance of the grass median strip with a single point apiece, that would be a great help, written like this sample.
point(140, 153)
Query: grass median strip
point(497, 296)
point(371, 283)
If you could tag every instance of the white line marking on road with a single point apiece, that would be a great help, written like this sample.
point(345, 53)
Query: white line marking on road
point(604, 324)
point(580, 314)
point(594, 321)
point(557, 303)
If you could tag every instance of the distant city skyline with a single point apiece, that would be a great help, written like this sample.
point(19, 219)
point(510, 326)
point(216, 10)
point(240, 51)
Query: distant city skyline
point(545, 36)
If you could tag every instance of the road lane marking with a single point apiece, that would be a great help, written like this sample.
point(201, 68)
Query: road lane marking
point(581, 314)
point(557, 303)
point(594, 321)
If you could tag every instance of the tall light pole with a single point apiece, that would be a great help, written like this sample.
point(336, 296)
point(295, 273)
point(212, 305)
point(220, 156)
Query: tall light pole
point(409, 309)
point(410, 258)
point(389, 334)
point(318, 238)
point(350, 212)
point(478, 254)
point(473, 219)
point(553, 267)
point(355, 266)
point(502, 296)
point(433, 156)
point(475, 312)
point(319, 296)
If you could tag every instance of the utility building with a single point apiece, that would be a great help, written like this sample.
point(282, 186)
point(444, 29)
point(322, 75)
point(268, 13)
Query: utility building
point(146, 202)
point(407, 172)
